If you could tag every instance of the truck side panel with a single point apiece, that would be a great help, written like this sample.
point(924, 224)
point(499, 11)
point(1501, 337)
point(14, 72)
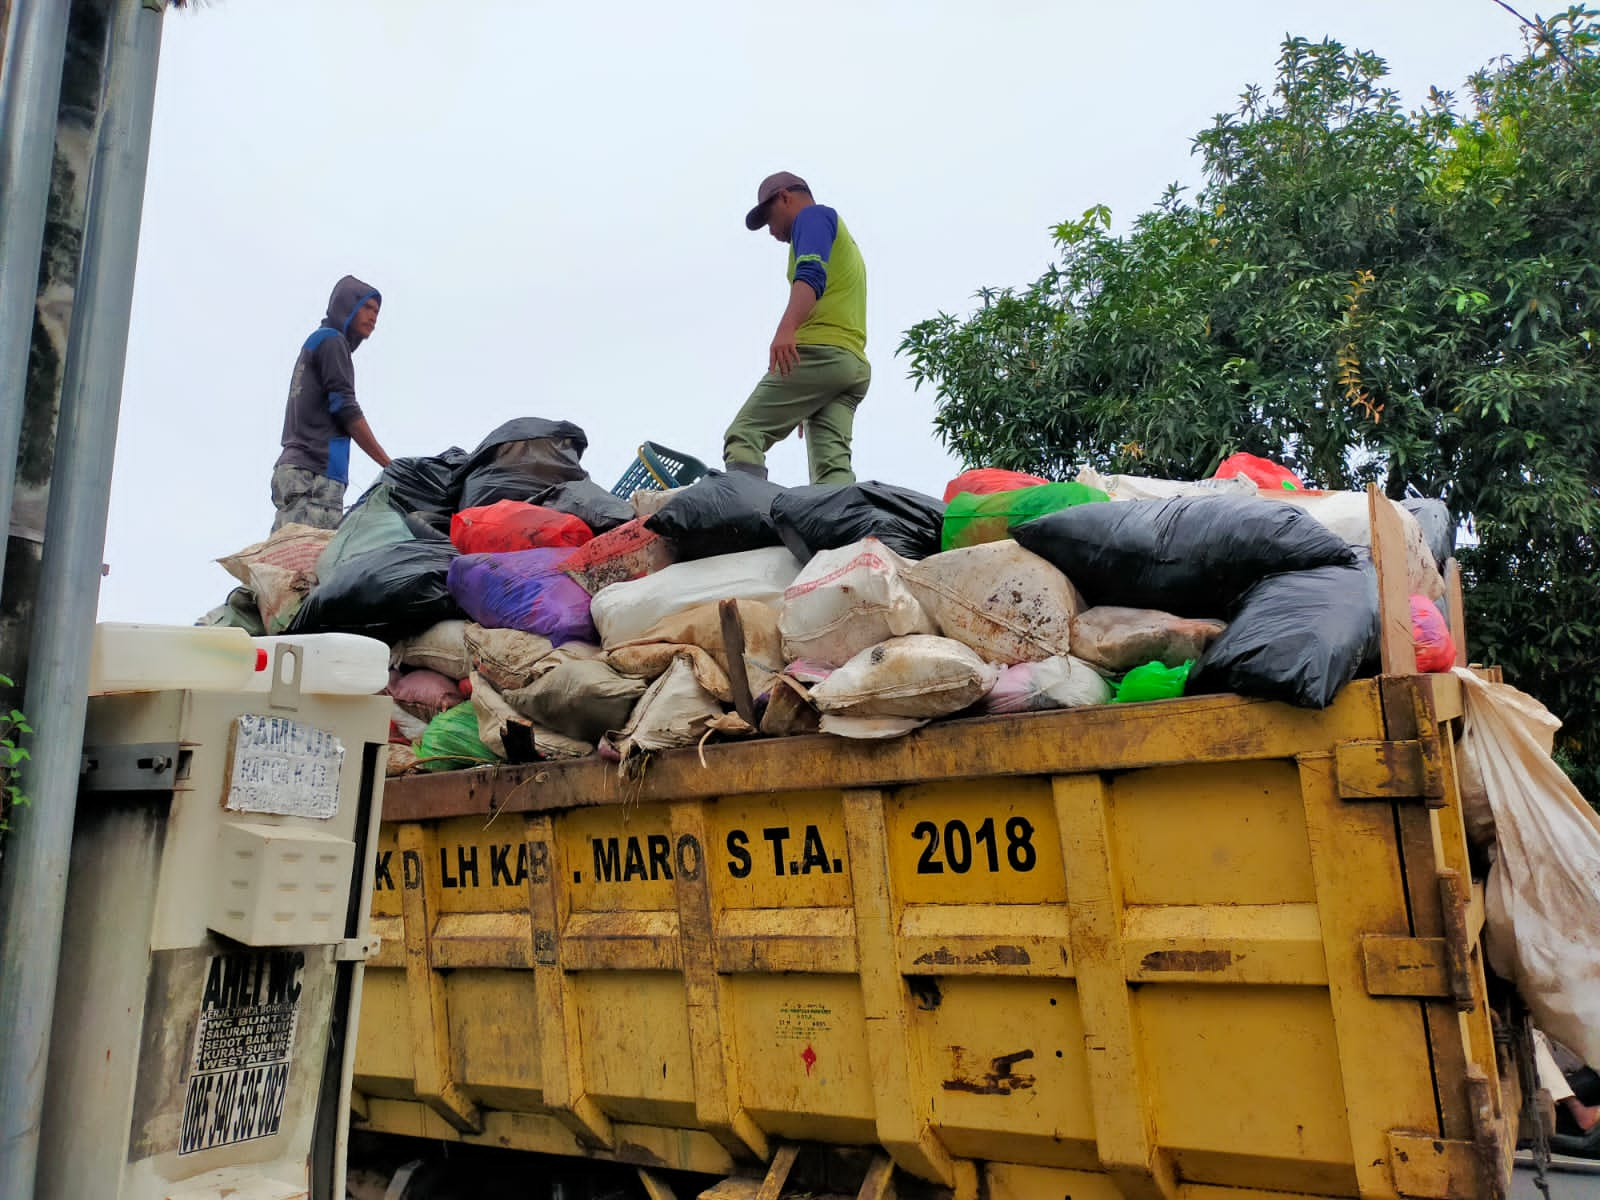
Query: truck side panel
point(1153, 958)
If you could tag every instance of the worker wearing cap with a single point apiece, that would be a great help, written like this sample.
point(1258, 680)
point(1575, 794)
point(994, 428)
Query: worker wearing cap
point(817, 371)
point(322, 417)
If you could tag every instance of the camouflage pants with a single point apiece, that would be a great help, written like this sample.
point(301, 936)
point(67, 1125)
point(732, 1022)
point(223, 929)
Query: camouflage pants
point(303, 497)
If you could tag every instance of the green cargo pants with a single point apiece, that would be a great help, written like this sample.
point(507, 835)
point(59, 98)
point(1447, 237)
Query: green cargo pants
point(821, 393)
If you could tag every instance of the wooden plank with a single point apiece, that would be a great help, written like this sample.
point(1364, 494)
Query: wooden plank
point(716, 1055)
point(1456, 609)
point(1190, 730)
point(560, 1039)
point(900, 1098)
point(655, 1187)
point(733, 646)
point(778, 1172)
point(879, 1181)
point(1124, 1120)
point(1395, 641)
point(433, 1073)
point(734, 1187)
point(1444, 695)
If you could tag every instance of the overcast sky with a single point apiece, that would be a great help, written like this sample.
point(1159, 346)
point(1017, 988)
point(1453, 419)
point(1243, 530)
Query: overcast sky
point(550, 197)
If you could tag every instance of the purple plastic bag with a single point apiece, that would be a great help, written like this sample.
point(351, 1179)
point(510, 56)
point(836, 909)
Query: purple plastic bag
point(524, 590)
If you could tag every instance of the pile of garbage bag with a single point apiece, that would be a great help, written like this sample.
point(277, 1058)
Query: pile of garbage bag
point(533, 615)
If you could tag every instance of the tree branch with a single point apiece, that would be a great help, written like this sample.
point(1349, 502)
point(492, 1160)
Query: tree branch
point(1544, 34)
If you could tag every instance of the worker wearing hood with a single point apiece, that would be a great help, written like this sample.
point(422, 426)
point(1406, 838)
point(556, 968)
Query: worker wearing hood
point(322, 417)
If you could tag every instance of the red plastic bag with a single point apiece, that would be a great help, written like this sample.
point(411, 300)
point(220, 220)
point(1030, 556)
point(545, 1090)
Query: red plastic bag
point(508, 525)
point(985, 481)
point(1436, 649)
point(1262, 472)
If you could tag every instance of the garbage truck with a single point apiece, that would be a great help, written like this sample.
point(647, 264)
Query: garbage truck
point(1211, 947)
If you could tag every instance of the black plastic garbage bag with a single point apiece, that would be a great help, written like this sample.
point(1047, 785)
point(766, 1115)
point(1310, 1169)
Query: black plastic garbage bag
point(1195, 556)
point(389, 593)
point(589, 502)
point(825, 516)
point(434, 526)
point(1438, 527)
point(720, 513)
point(521, 459)
point(1298, 636)
point(487, 485)
point(548, 451)
point(427, 485)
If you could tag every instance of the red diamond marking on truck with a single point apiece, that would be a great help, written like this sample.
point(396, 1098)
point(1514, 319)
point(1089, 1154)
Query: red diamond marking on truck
point(809, 1057)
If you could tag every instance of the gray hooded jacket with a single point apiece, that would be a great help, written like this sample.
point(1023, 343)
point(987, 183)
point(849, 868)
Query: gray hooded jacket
point(322, 391)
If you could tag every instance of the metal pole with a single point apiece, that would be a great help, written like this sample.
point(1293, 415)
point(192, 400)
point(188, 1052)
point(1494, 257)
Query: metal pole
point(34, 883)
point(30, 93)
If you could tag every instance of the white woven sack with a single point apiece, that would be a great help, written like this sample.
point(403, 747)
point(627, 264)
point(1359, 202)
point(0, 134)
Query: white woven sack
point(918, 677)
point(847, 599)
point(1005, 602)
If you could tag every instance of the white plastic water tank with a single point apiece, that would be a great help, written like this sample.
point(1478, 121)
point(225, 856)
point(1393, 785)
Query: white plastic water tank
point(151, 658)
point(334, 664)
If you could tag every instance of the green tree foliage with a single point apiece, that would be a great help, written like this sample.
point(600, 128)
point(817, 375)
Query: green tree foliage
point(1361, 292)
point(12, 756)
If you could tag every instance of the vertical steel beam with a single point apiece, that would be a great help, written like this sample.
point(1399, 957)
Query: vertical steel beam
point(30, 90)
point(34, 883)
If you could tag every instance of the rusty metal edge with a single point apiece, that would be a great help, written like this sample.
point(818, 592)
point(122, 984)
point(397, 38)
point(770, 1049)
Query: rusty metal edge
point(1085, 739)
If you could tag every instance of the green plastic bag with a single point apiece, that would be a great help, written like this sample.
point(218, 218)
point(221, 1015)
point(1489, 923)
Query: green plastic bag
point(1153, 681)
point(451, 741)
point(971, 520)
point(371, 525)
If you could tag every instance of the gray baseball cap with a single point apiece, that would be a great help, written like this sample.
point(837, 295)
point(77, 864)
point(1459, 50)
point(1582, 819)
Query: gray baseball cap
point(770, 187)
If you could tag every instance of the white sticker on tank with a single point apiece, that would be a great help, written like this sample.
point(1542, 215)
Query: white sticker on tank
point(243, 1046)
point(283, 767)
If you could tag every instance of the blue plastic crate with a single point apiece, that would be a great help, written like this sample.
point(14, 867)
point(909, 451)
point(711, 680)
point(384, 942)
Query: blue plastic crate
point(658, 468)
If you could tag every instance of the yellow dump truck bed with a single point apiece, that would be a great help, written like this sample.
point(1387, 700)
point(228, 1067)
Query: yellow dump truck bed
point(1205, 948)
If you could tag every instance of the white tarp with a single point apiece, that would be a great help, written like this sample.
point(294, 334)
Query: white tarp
point(1543, 903)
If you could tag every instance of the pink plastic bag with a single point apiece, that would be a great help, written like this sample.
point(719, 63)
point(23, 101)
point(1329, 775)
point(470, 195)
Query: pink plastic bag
point(1436, 649)
point(1059, 682)
point(423, 693)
